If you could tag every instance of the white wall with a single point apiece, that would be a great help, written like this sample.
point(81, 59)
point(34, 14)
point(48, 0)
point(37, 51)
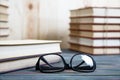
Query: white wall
point(54, 16)
point(54, 19)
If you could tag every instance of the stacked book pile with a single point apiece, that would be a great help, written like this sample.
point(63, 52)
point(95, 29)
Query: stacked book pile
point(4, 29)
point(95, 30)
point(21, 54)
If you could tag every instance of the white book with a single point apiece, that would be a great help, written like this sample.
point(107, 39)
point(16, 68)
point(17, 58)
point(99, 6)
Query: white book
point(99, 50)
point(96, 42)
point(4, 32)
point(93, 27)
point(3, 17)
point(73, 13)
point(112, 20)
point(19, 48)
point(4, 38)
point(4, 2)
point(23, 63)
point(3, 9)
point(92, 12)
point(3, 25)
point(95, 20)
point(24, 53)
point(96, 11)
point(113, 12)
point(91, 34)
point(94, 50)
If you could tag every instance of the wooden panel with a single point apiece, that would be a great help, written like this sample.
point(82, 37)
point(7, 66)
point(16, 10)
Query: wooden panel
point(23, 19)
point(31, 13)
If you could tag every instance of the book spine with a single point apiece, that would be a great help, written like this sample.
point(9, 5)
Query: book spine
point(4, 29)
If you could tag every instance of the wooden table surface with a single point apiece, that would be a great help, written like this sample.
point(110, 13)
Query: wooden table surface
point(108, 68)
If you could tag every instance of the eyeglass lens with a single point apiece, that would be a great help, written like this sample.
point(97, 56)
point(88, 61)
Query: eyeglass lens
point(51, 63)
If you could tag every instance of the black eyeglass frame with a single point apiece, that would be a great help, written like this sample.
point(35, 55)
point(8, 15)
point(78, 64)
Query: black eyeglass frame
point(66, 65)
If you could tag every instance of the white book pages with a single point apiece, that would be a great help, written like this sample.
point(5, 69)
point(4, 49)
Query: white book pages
point(112, 42)
point(112, 34)
point(112, 20)
point(113, 12)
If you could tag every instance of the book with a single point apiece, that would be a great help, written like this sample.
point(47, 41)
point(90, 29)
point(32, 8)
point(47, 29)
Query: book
point(4, 38)
point(97, 27)
point(20, 64)
point(4, 32)
point(19, 54)
point(97, 19)
point(4, 3)
point(4, 25)
point(96, 11)
point(3, 9)
point(94, 50)
point(3, 17)
point(91, 34)
point(95, 42)
point(75, 35)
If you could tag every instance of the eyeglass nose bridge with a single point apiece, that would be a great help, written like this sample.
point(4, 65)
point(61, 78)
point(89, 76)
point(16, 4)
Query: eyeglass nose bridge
point(67, 66)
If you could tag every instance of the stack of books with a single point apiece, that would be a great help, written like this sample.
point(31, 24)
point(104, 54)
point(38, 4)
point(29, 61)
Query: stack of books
point(95, 30)
point(20, 54)
point(4, 29)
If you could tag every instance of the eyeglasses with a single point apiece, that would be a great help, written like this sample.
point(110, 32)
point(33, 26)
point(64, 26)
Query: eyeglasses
point(50, 63)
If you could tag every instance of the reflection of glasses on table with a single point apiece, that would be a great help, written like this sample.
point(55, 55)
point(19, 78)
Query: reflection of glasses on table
point(50, 63)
